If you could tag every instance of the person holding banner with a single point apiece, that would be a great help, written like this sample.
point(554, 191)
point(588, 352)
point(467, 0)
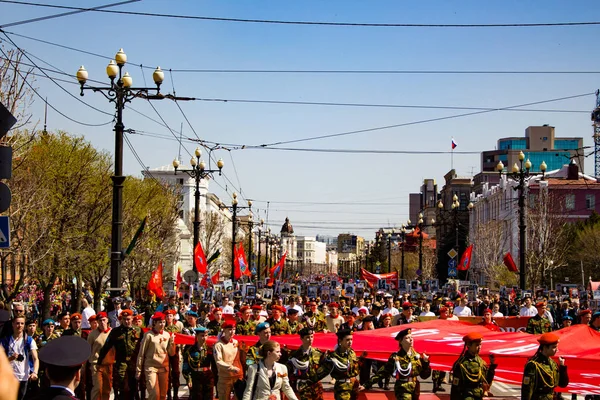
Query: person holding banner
point(343, 365)
point(405, 365)
point(542, 375)
point(303, 365)
point(472, 377)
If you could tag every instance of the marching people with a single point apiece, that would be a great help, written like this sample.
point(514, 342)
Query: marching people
point(279, 325)
point(101, 372)
point(245, 326)
point(229, 361)
point(343, 365)
point(542, 375)
point(263, 330)
point(471, 376)
point(303, 365)
point(199, 367)
point(539, 323)
point(268, 379)
point(314, 319)
point(488, 321)
point(173, 326)
point(405, 366)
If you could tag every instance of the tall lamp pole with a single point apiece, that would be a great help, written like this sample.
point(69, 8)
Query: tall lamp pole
point(258, 267)
point(197, 172)
point(119, 92)
point(234, 207)
point(389, 238)
point(520, 174)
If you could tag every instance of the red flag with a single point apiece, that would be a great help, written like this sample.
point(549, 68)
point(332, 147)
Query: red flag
point(178, 280)
point(200, 264)
point(215, 277)
point(510, 263)
point(155, 284)
point(465, 260)
point(277, 269)
point(240, 263)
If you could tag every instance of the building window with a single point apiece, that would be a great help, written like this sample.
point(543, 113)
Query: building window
point(590, 201)
point(570, 201)
point(180, 181)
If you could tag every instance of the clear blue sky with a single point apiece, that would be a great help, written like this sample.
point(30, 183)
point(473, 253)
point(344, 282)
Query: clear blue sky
point(384, 180)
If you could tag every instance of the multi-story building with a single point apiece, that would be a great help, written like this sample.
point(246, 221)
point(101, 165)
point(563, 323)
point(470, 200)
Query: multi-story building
point(350, 246)
point(429, 199)
point(415, 205)
point(311, 256)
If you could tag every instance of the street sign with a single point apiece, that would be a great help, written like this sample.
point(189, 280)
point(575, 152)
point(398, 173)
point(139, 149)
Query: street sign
point(452, 272)
point(190, 276)
point(452, 263)
point(4, 232)
point(377, 267)
point(452, 253)
point(253, 270)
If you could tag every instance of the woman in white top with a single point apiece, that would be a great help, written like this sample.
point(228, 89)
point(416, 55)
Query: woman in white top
point(267, 379)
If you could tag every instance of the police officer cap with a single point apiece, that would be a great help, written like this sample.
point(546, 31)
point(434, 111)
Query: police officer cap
point(261, 327)
point(342, 333)
point(305, 332)
point(200, 329)
point(66, 351)
point(402, 334)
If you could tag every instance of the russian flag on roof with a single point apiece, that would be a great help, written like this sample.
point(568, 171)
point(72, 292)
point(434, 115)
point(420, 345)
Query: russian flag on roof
point(454, 144)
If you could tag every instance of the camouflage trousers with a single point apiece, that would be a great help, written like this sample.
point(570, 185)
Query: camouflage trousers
point(308, 390)
point(407, 390)
point(203, 385)
point(124, 382)
point(346, 389)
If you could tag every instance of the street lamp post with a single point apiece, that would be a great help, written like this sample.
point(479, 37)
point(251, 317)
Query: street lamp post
point(197, 172)
point(519, 174)
point(420, 224)
point(234, 207)
point(260, 228)
point(389, 237)
point(119, 92)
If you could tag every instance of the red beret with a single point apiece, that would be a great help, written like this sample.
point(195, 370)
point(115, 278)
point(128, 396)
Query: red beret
point(540, 304)
point(137, 317)
point(171, 312)
point(334, 304)
point(244, 308)
point(228, 325)
point(76, 316)
point(387, 316)
point(406, 305)
point(126, 313)
point(449, 304)
point(101, 315)
point(548, 339)
point(472, 337)
point(583, 312)
point(217, 309)
point(257, 307)
point(487, 311)
point(158, 316)
point(443, 308)
point(278, 308)
point(92, 318)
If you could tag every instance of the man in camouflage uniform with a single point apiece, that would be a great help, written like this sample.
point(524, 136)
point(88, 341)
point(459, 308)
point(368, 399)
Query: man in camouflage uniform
point(279, 326)
point(405, 365)
point(64, 320)
point(245, 326)
point(263, 330)
point(303, 365)
point(343, 365)
point(293, 322)
point(472, 377)
point(173, 326)
point(542, 375)
point(125, 339)
point(256, 317)
point(314, 319)
point(214, 326)
point(539, 324)
point(199, 367)
point(47, 336)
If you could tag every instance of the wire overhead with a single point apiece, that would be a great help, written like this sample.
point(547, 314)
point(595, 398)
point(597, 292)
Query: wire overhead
point(317, 23)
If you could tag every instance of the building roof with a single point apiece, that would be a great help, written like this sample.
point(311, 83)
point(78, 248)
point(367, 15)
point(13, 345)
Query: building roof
point(287, 227)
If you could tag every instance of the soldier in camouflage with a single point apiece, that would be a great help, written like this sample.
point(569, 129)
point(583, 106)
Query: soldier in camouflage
point(539, 324)
point(199, 367)
point(47, 336)
point(279, 326)
point(542, 375)
point(314, 319)
point(293, 322)
point(343, 365)
point(263, 330)
point(405, 366)
point(303, 365)
point(214, 326)
point(125, 339)
point(245, 326)
point(472, 377)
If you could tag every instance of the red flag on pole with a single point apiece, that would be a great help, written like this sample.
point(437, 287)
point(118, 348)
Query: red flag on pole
point(277, 269)
point(240, 263)
point(465, 260)
point(214, 279)
point(178, 280)
point(155, 284)
point(200, 263)
point(510, 263)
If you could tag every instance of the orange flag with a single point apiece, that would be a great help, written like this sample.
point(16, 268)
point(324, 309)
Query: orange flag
point(155, 284)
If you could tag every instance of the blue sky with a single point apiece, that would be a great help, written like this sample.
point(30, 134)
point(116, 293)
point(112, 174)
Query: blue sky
point(281, 176)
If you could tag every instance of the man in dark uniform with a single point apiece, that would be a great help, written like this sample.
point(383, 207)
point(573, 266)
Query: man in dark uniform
point(539, 324)
point(472, 377)
point(199, 367)
point(293, 321)
point(279, 326)
point(125, 339)
point(343, 365)
point(542, 375)
point(245, 326)
point(303, 365)
point(214, 326)
point(63, 359)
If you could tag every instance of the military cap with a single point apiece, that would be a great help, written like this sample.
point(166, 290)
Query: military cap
point(472, 337)
point(342, 333)
point(30, 321)
point(101, 315)
point(402, 333)
point(63, 314)
point(244, 308)
point(278, 308)
point(47, 322)
point(257, 307)
point(595, 315)
point(126, 313)
point(540, 304)
point(376, 305)
point(369, 318)
point(292, 311)
point(443, 309)
point(364, 310)
point(406, 305)
point(305, 332)
point(92, 318)
point(387, 316)
point(228, 325)
point(158, 316)
point(333, 304)
point(487, 311)
point(65, 351)
point(192, 314)
point(261, 327)
point(76, 316)
point(217, 309)
point(568, 317)
point(584, 312)
point(4, 315)
point(138, 317)
point(449, 304)
point(200, 329)
point(548, 339)
point(117, 300)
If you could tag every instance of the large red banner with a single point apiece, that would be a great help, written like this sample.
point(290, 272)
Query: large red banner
point(506, 324)
point(372, 278)
point(442, 340)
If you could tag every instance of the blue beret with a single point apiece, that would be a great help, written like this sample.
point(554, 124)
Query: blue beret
point(596, 315)
point(192, 313)
point(261, 327)
point(568, 317)
point(200, 329)
point(49, 321)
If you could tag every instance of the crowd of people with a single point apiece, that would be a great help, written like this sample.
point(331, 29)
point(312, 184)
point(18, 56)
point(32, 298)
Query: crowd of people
point(134, 355)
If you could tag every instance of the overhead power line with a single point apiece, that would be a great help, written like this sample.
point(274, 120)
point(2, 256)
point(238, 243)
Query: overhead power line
point(318, 23)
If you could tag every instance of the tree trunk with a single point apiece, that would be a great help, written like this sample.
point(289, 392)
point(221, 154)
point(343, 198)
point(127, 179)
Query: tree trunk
point(47, 289)
point(97, 288)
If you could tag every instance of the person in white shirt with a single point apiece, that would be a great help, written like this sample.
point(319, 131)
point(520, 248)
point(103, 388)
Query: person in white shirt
point(361, 303)
point(427, 311)
point(295, 306)
point(228, 309)
point(528, 310)
point(389, 307)
point(496, 311)
point(21, 349)
point(86, 313)
point(463, 310)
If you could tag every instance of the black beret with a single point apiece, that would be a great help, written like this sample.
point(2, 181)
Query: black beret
point(306, 331)
point(292, 311)
point(369, 318)
point(342, 333)
point(66, 351)
point(402, 333)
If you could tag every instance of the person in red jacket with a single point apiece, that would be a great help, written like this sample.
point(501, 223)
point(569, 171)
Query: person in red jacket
point(488, 321)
